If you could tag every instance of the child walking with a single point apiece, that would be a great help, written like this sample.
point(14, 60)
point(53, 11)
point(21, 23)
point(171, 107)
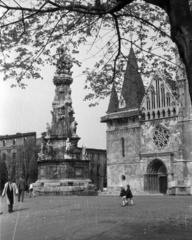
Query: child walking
point(123, 192)
point(129, 195)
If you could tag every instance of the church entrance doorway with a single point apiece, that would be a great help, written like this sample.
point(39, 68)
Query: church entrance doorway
point(155, 180)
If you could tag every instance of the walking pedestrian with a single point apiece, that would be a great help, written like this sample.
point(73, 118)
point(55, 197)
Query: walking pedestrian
point(31, 192)
point(21, 187)
point(123, 192)
point(129, 195)
point(10, 190)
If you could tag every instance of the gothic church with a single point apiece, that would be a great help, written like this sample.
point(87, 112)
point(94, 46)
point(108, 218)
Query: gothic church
point(149, 134)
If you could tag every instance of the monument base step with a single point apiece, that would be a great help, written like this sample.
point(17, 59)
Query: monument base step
point(65, 187)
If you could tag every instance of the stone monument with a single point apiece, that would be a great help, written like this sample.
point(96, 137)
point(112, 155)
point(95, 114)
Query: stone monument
point(61, 168)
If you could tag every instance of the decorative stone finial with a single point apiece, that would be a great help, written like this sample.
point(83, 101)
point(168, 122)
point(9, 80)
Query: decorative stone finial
point(64, 65)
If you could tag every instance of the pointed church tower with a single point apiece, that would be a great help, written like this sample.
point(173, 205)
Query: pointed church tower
point(113, 103)
point(133, 89)
point(123, 127)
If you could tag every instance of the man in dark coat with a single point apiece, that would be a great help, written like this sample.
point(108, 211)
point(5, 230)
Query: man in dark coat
point(21, 187)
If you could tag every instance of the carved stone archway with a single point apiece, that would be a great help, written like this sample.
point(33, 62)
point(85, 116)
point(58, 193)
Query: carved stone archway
point(155, 179)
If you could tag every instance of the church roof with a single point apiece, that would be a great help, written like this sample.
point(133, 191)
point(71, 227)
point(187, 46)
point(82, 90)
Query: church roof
point(113, 103)
point(133, 89)
point(123, 114)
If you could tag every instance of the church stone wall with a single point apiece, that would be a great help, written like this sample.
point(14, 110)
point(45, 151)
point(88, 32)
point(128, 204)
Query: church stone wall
point(174, 141)
point(123, 164)
point(187, 140)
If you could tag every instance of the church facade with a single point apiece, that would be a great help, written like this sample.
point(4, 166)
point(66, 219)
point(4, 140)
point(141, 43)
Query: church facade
point(149, 134)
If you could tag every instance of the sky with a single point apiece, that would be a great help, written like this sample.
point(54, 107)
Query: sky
point(28, 110)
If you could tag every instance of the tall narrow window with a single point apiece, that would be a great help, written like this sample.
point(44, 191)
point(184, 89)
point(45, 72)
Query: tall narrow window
point(4, 143)
point(168, 99)
point(148, 103)
point(98, 170)
point(163, 113)
point(169, 112)
point(123, 146)
point(143, 116)
point(162, 95)
point(14, 141)
point(158, 93)
point(174, 111)
point(153, 98)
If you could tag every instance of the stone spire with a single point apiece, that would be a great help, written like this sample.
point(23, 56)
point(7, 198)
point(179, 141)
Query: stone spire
point(133, 89)
point(113, 103)
point(63, 123)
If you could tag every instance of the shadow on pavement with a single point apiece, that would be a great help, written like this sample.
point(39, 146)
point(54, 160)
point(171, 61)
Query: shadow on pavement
point(21, 209)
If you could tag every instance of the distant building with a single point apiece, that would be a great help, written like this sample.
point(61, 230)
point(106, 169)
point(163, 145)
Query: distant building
point(15, 152)
point(149, 134)
point(98, 167)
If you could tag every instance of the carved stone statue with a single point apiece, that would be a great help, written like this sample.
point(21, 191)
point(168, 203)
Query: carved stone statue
point(49, 148)
point(48, 132)
point(84, 155)
point(42, 152)
point(73, 128)
point(68, 146)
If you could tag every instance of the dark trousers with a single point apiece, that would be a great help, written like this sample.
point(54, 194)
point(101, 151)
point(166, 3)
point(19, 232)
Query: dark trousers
point(10, 208)
point(21, 195)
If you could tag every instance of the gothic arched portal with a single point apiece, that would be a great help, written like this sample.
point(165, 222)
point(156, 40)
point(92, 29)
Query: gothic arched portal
point(155, 180)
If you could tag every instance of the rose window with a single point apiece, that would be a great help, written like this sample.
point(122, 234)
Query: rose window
point(161, 137)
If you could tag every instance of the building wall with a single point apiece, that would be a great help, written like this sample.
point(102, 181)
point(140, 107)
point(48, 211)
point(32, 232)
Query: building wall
point(98, 167)
point(123, 153)
point(12, 154)
point(160, 139)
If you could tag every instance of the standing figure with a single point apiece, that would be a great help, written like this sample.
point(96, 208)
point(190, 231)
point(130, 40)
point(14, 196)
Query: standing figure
point(123, 192)
point(68, 146)
point(22, 188)
point(49, 148)
point(73, 128)
point(84, 155)
point(31, 192)
point(10, 190)
point(129, 195)
point(48, 128)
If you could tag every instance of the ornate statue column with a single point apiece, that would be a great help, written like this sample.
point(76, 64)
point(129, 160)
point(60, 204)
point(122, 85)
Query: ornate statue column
point(61, 168)
point(61, 139)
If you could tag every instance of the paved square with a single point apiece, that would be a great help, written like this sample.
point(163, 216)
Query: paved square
point(99, 217)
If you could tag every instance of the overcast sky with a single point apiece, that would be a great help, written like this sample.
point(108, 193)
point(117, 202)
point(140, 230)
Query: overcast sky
point(28, 110)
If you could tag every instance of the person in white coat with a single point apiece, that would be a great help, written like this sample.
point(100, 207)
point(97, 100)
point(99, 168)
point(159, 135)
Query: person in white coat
point(10, 190)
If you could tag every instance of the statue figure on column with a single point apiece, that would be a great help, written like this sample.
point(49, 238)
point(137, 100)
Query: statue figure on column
point(48, 132)
point(73, 128)
point(84, 155)
point(42, 153)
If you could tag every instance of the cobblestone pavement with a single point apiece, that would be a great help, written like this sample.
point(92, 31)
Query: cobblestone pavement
point(98, 217)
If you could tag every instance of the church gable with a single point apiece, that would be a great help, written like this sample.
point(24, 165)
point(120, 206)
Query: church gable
point(159, 100)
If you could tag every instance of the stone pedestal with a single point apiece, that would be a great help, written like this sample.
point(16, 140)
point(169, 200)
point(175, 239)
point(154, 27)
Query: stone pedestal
point(64, 177)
